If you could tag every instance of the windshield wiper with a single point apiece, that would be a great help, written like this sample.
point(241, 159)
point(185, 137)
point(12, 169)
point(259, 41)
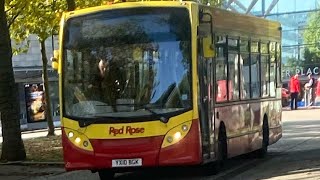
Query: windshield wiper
point(161, 117)
point(145, 107)
point(85, 123)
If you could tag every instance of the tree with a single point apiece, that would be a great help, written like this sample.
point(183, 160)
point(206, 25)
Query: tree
point(71, 4)
point(38, 18)
point(291, 65)
point(12, 145)
point(311, 33)
point(215, 3)
point(311, 59)
point(41, 18)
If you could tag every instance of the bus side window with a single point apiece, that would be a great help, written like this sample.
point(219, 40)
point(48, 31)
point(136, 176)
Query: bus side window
point(244, 70)
point(233, 69)
point(278, 59)
point(221, 69)
point(272, 69)
point(265, 70)
point(255, 69)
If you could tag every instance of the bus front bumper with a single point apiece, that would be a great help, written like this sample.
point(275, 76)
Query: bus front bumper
point(186, 152)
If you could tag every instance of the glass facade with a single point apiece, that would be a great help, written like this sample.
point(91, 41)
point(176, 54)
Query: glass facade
point(300, 20)
point(294, 16)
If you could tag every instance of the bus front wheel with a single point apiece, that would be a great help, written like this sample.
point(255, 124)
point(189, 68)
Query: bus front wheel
point(106, 175)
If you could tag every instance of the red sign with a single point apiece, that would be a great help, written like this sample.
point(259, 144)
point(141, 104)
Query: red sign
point(125, 130)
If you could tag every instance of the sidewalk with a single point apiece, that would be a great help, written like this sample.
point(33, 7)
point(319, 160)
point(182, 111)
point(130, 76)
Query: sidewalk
point(301, 108)
point(36, 133)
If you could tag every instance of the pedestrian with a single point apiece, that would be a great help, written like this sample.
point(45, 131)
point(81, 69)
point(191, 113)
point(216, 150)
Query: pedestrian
point(309, 87)
point(294, 91)
point(317, 99)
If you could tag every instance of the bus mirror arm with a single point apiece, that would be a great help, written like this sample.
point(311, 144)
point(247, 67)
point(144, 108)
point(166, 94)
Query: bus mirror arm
point(164, 119)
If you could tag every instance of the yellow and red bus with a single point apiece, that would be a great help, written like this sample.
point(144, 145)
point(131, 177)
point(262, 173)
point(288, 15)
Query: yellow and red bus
point(166, 83)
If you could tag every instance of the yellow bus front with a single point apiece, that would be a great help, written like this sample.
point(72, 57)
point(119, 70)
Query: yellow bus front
point(127, 91)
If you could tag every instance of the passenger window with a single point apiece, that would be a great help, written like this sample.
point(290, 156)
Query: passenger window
point(272, 69)
point(221, 70)
point(245, 76)
point(265, 75)
point(244, 70)
point(278, 56)
point(255, 76)
point(233, 61)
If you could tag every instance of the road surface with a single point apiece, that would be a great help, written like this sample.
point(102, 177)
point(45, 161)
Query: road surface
point(295, 156)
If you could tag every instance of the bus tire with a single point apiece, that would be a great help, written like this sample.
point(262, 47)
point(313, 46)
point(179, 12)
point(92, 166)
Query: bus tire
point(222, 147)
point(106, 174)
point(261, 153)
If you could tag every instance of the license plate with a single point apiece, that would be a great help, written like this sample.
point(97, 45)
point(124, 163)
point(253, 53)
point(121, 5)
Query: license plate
point(126, 162)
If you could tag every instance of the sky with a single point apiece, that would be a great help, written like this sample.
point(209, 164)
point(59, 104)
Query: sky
point(284, 5)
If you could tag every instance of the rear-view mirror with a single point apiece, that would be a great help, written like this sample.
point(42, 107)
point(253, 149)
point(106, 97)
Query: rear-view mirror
point(55, 60)
point(208, 48)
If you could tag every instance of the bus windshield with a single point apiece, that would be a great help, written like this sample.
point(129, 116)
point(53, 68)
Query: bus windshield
point(127, 63)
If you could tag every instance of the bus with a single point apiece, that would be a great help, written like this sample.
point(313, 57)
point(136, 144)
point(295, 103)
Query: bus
point(166, 83)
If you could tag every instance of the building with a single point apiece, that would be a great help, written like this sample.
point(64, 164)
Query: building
point(298, 55)
point(28, 76)
point(293, 15)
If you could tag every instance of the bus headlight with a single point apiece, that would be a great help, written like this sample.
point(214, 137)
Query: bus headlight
point(175, 134)
point(78, 139)
point(70, 134)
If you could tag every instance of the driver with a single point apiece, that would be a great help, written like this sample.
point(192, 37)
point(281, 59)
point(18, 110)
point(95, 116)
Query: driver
point(97, 79)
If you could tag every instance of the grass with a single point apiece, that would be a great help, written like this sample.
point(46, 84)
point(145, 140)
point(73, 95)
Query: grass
point(43, 149)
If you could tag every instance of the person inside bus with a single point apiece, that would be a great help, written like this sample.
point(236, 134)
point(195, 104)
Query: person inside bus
point(107, 81)
point(97, 79)
point(294, 90)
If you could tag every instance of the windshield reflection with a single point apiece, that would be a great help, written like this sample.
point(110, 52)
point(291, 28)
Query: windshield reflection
point(127, 61)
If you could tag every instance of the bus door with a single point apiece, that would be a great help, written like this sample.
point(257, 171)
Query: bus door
point(205, 74)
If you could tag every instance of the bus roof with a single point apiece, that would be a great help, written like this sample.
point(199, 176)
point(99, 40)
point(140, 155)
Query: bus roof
point(132, 4)
point(236, 24)
point(233, 23)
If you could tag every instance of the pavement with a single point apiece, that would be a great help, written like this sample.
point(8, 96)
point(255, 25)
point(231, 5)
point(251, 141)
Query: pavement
point(295, 156)
point(36, 133)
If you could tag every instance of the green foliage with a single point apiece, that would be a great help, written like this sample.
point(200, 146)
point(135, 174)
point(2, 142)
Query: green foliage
point(37, 17)
point(41, 17)
point(33, 17)
point(291, 65)
point(311, 34)
point(215, 3)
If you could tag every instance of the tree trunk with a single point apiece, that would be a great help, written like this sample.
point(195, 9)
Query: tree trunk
point(12, 145)
point(71, 5)
point(46, 87)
